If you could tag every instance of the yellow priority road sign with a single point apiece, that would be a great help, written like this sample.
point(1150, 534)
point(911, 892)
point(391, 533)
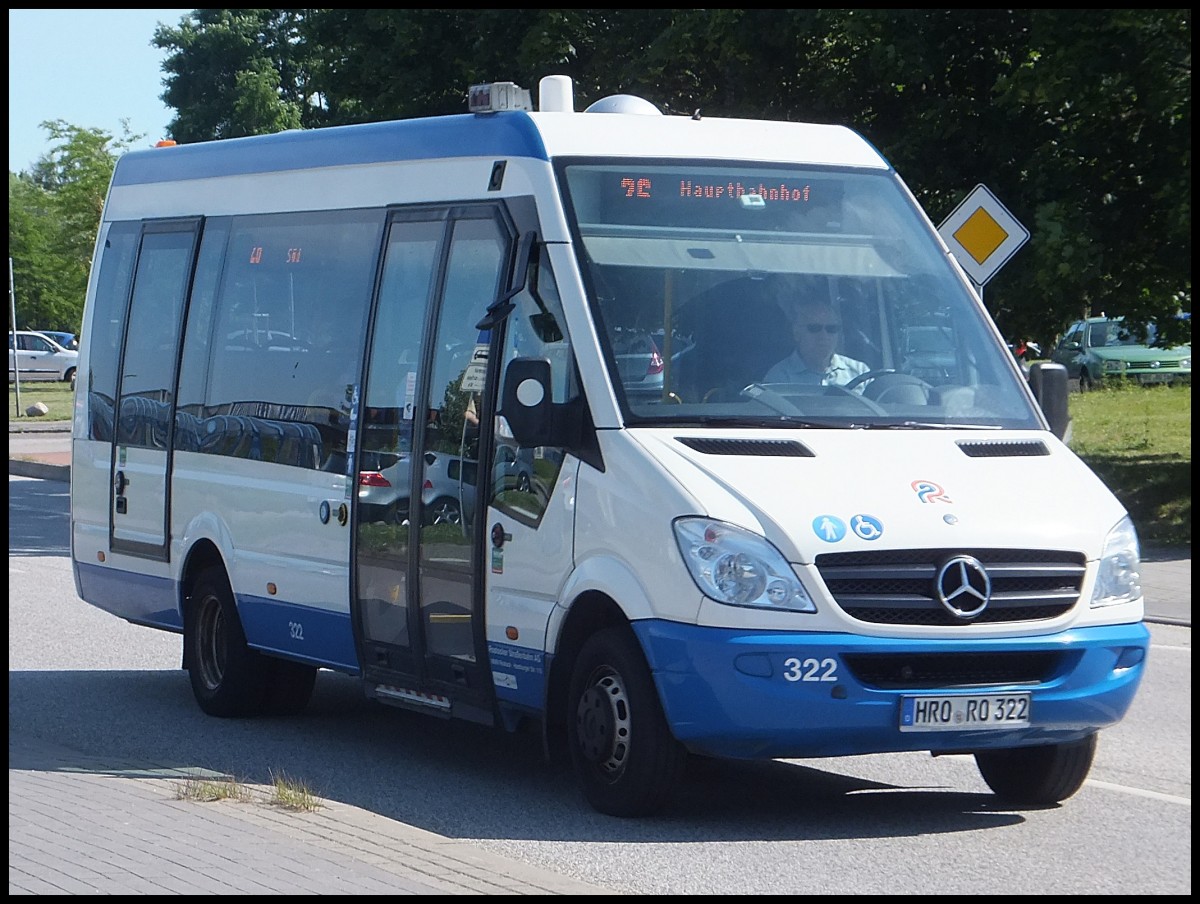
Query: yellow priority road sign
point(982, 234)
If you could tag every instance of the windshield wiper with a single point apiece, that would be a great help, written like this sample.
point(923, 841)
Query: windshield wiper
point(926, 425)
point(772, 422)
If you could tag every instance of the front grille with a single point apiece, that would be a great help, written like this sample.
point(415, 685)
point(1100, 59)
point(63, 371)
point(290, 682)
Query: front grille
point(922, 671)
point(896, 587)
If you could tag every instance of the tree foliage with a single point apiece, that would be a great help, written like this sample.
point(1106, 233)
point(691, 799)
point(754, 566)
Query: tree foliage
point(53, 216)
point(235, 72)
point(1079, 122)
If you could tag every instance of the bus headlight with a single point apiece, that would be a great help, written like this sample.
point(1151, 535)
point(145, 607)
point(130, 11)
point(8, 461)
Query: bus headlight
point(1118, 577)
point(739, 568)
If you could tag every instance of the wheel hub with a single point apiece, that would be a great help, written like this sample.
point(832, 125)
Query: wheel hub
point(602, 724)
point(212, 652)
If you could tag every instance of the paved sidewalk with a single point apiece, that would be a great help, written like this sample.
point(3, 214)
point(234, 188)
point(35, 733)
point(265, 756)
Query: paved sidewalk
point(80, 825)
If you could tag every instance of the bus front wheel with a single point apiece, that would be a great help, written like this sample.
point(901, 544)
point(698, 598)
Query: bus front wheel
point(1037, 776)
point(623, 752)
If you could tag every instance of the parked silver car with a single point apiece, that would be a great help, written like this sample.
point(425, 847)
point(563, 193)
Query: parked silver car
point(640, 360)
point(69, 341)
point(38, 357)
point(383, 487)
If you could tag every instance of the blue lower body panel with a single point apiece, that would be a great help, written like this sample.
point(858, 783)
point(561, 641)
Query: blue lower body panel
point(748, 694)
point(316, 636)
point(138, 598)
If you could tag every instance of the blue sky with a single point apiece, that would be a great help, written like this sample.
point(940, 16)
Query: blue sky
point(89, 67)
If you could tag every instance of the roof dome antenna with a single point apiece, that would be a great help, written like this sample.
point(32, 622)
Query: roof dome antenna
point(624, 103)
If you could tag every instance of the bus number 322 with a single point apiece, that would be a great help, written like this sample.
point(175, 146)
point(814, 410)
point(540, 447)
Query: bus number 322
point(809, 669)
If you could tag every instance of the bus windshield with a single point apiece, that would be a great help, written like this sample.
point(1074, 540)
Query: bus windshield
point(782, 296)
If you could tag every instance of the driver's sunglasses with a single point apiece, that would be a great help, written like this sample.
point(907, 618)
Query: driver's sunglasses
point(827, 327)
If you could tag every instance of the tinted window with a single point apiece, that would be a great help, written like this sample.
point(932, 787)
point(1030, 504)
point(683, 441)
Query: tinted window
point(106, 325)
point(152, 341)
point(288, 330)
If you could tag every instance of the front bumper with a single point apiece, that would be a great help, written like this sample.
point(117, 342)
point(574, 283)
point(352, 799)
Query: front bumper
point(745, 694)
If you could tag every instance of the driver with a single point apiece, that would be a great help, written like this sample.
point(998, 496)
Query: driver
point(816, 329)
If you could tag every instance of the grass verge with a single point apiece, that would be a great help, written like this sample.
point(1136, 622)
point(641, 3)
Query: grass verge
point(1138, 440)
point(59, 398)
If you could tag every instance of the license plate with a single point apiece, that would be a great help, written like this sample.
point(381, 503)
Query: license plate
point(1154, 378)
point(955, 713)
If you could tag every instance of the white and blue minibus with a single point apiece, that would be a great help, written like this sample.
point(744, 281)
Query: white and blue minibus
point(511, 416)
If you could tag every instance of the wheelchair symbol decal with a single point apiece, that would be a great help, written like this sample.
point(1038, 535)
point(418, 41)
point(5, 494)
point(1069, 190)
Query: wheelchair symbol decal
point(866, 528)
point(829, 528)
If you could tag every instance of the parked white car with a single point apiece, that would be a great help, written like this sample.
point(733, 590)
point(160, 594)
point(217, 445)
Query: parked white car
point(38, 357)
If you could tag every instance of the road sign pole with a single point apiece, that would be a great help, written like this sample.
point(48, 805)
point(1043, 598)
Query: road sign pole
point(12, 299)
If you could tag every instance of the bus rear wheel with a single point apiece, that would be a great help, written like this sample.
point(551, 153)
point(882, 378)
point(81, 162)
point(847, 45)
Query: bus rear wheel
point(1037, 776)
point(228, 678)
point(624, 754)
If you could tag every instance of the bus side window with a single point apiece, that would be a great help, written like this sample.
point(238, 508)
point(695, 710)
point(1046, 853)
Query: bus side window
point(523, 477)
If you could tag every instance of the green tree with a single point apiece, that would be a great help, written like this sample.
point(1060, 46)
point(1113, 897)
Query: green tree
point(236, 72)
point(35, 290)
point(54, 215)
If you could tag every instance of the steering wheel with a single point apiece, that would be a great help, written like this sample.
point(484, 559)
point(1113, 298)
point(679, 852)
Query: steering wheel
point(883, 383)
point(780, 404)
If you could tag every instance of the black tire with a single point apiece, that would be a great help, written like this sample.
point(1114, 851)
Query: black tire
point(1086, 383)
point(228, 678)
point(625, 757)
point(1037, 775)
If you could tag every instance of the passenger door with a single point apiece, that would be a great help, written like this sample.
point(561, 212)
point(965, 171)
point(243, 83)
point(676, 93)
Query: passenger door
point(139, 489)
point(418, 591)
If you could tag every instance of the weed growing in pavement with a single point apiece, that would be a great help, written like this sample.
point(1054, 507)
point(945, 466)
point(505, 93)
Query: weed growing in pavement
point(292, 794)
point(285, 792)
point(207, 790)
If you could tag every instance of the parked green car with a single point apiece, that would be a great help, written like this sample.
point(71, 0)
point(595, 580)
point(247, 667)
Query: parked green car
point(1099, 348)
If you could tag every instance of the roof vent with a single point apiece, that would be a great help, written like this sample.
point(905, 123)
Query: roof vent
point(1002, 448)
point(624, 103)
point(776, 447)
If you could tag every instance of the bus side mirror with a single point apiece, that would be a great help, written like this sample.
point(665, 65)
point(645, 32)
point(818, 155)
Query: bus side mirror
point(1050, 387)
point(527, 403)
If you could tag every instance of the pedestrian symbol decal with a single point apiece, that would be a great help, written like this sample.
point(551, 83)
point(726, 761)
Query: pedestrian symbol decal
point(829, 528)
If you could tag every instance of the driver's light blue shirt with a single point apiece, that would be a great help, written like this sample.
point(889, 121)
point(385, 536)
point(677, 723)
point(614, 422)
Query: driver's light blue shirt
point(792, 369)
